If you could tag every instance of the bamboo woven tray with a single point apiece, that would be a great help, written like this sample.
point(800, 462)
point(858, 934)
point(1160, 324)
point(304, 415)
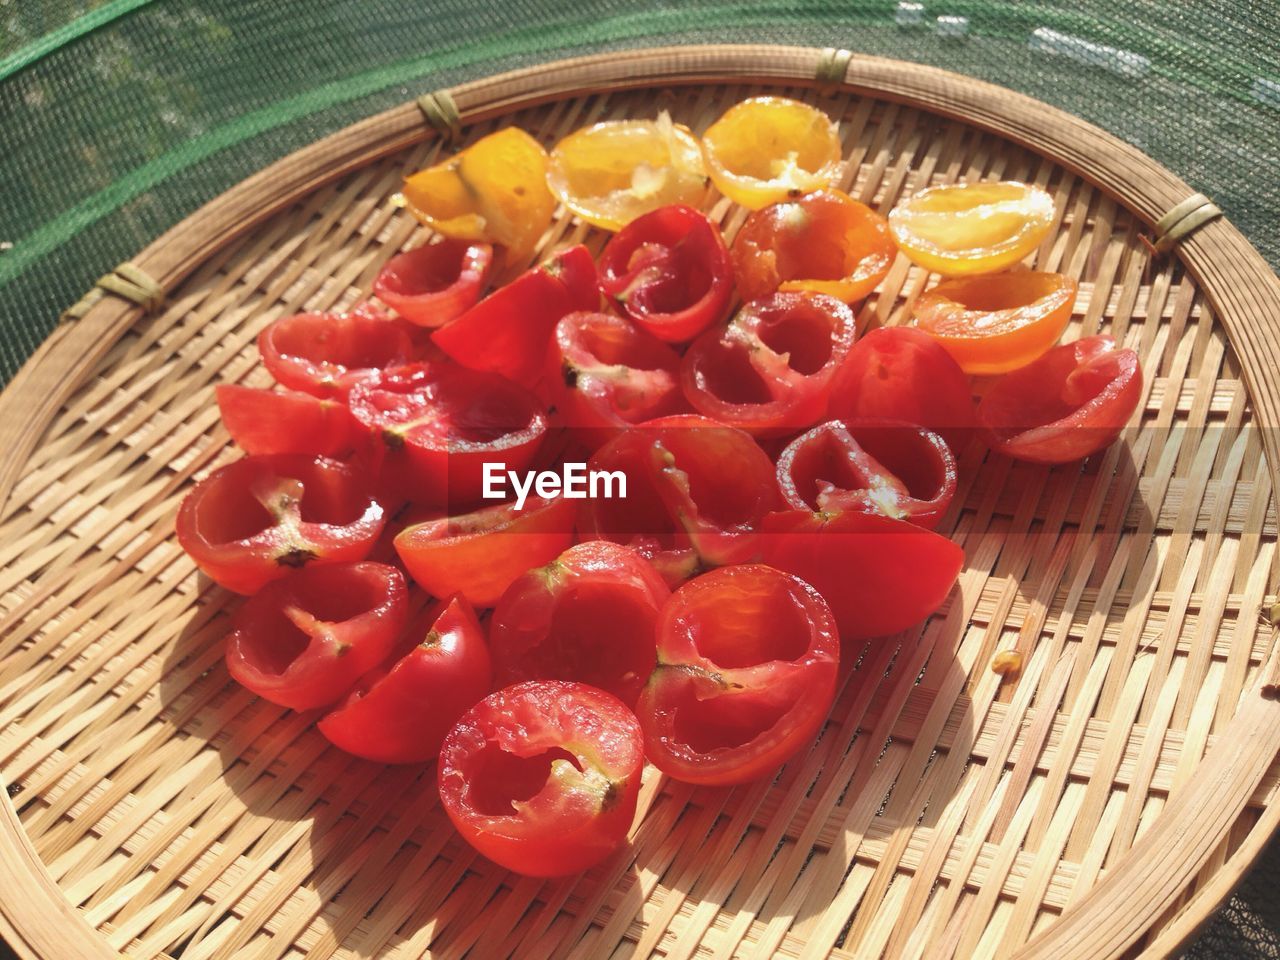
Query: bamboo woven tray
point(1101, 805)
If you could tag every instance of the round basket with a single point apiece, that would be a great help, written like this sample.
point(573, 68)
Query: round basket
point(1100, 804)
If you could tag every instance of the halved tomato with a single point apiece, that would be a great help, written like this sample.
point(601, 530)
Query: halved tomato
point(326, 354)
point(431, 284)
point(275, 421)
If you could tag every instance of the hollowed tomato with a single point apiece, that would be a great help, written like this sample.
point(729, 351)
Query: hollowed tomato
point(747, 659)
point(254, 520)
point(326, 354)
point(400, 712)
point(886, 467)
point(304, 641)
point(542, 777)
point(770, 371)
point(589, 615)
point(433, 283)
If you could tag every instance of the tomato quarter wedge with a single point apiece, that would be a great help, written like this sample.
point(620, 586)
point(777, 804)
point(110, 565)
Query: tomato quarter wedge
point(589, 615)
point(747, 660)
point(879, 575)
point(433, 283)
point(400, 713)
point(326, 354)
point(771, 370)
point(254, 520)
point(507, 333)
point(824, 242)
point(479, 554)
point(287, 421)
point(669, 271)
point(1072, 402)
point(542, 777)
point(303, 642)
point(872, 466)
point(997, 322)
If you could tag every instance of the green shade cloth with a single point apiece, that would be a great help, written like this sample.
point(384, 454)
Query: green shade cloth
point(119, 118)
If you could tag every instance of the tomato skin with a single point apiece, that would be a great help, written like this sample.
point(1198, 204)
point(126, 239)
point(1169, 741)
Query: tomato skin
point(669, 271)
point(440, 423)
point(879, 575)
point(997, 322)
point(771, 370)
point(823, 242)
point(747, 661)
point(1072, 402)
point(326, 354)
point(886, 467)
point(401, 713)
point(302, 642)
point(560, 823)
point(272, 421)
point(605, 374)
point(507, 333)
point(589, 615)
point(431, 284)
point(900, 373)
point(692, 484)
point(479, 554)
point(254, 520)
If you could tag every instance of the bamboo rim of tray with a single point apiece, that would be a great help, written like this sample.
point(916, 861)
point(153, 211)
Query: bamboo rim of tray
point(1172, 863)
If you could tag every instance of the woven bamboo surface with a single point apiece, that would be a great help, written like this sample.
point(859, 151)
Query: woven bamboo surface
point(1101, 804)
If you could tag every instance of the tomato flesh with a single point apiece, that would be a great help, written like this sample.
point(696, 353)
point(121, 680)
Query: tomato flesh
point(542, 777)
point(589, 615)
point(326, 354)
point(824, 242)
point(747, 660)
point(1072, 402)
point(441, 423)
point(871, 466)
point(507, 333)
point(401, 712)
point(901, 373)
point(302, 642)
point(997, 323)
point(479, 554)
point(669, 271)
point(433, 283)
point(770, 371)
point(272, 421)
point(879, 575)
point(254, 520)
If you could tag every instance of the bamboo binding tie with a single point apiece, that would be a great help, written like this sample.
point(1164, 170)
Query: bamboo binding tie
point(129, 281)
point(441, 111)
point(832, 67)
point(1181, 221)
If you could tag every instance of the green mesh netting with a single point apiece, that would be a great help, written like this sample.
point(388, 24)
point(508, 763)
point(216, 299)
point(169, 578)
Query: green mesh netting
point(119, 118)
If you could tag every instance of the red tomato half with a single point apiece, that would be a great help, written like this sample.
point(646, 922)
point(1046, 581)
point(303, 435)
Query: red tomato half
point(508, 332)
point(900, 373)
point(441, 423)
point(589, 615)
point(670, 272)
point(433, 283)
point(1070, 403)
point(747, 660)
point(691, 483)
point(542, 777)
point(304, 641)
point(326, 354)
point(605, 374)
point(400, 713)
point(254, 520)
point(824, 242)
point(479, 554)
point(872, 466)
point(879, 575)
point(274, 421)
point(770, 371)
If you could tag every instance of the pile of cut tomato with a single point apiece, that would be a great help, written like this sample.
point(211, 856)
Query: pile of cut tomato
point(770, 474)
